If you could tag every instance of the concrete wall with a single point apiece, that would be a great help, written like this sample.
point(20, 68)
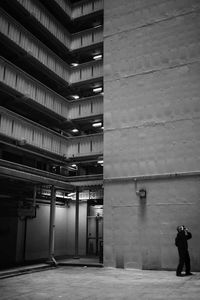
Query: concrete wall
point(152, 126)
point(37, 233)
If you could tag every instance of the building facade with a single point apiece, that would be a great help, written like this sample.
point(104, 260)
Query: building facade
point(51, 129)
point(99, 130)
point(151, 135)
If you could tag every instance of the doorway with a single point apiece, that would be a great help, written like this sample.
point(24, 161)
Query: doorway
point(94, 229)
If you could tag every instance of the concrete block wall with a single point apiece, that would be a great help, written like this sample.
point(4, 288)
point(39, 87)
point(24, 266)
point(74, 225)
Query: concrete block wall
point(152, 126)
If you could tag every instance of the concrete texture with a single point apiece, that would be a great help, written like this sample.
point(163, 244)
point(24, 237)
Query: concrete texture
point(75, 283)
point(151, 126)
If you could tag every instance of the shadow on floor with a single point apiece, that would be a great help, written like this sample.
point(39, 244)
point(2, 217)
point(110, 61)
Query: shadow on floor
point(31, 267)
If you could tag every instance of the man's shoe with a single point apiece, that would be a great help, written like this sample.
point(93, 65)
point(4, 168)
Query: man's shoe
point(179, 275)
point(188, 274)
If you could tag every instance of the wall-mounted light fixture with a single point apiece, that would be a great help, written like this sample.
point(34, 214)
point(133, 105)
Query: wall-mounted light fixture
point(142, 193)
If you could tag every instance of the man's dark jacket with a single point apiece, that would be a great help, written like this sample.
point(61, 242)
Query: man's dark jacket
point(181, 240)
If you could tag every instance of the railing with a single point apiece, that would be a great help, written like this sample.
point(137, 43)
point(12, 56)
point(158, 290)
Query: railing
point(85, 38)
point(87, 71)
point(40, 13)
point(25, 40)
point(80, 9)
point(23, 84)
point(20, 83)
point(30, 133)
point(85, 145)
point(86, 107)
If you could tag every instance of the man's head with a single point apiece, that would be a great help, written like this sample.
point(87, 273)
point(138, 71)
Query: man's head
point(180, 228)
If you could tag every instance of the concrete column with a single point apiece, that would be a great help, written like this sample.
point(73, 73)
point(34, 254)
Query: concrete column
point(77, 224)
point(34, 195)
point(52, 226)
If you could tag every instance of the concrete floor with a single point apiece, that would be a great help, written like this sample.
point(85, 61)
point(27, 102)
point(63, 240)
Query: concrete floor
point(75, 283)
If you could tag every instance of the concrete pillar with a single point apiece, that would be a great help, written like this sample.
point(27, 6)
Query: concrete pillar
point(52, 226)
point(77, 224)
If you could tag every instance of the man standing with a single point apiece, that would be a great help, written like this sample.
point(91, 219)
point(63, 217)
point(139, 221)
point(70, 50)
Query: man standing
point(181, 243)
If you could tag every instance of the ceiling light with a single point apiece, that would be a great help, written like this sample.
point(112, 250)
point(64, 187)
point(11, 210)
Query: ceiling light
point(74, 64)
point(99, 124)
point(76, 97)
point(98, 56)
point(97, 90)
point(100, 162)
point(74, 165)
point(102, 127)
point(75, 130)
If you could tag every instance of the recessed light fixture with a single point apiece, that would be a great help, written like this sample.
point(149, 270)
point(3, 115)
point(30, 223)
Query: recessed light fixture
point(100, 162)
point(75, 130)
point(76, 97)
point(74, 64)
point(98, 56)
point(98, 124)
point(97, 89)
point(74, 165)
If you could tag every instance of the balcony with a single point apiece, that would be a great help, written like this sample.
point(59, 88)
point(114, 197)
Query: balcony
point(86, 72)
point(30, 134)
point(43, 21)
point(80, 9)
point(86, 38)
point(19, 84)
point(25, 42)
point(86, 107)
point(48, 61)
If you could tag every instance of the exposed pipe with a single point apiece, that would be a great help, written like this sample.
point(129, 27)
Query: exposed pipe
point(52, 226)
point(25, 235)
point(153, 176)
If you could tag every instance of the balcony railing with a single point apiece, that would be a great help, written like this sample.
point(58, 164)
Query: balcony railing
point(86, 107)
point(80, 9)
point(87, 71)
point(30, 133)
point(19, 83)
point(86, 38)
point(72, 42)
point(85, 145)
point(35, 49)
point(32, 46)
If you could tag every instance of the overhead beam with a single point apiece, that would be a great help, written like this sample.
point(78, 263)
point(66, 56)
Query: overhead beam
point(25, 176)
